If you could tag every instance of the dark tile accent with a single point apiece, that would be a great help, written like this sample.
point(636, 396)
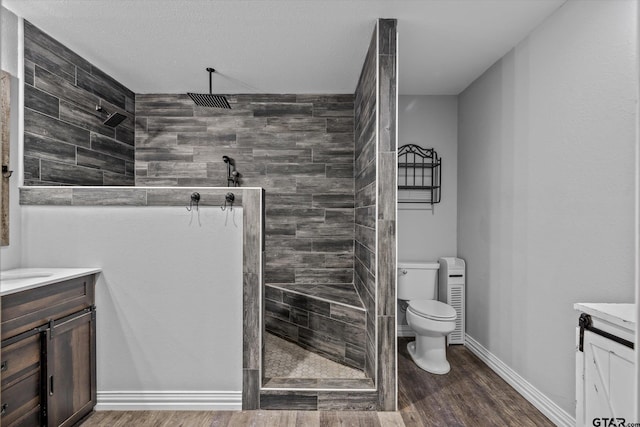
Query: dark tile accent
point(326, 186)
point(322, 343)
point(387, 363)
point(48, 60)
point(324, 275)
point(112, 147)
point(63, 89)
point(354, 354)
point(40, 124)
point(282, 329)
point(333, 109)
point(340, 170)
point(277, 310)
point(29, 72)
point(250, 389)
point(307, 303)
point(281, 229)
point(366, 236)
point(282, 156)
point(100, 87)
point(46, 196)
point(346, 383)
point(117, 179)
point(31, 168)
point(336, 293)
point(386, 319)
point(332, 245)
point(94, 159)
point(347, 314)
point(125, 134)
point(69, 174)
point(342, 124)
point(348, 401)
point(333, 200)
point(109, 197)
point(41, 101)
point(178, 154)
point(299, 317)
point(333, 155)
point(61, 93)
point(275, 109)
point(296, 169)
point(84, 118)
point(297, 401)
point(37, 146)
point(366, 216)
point(295, 124)
point(324, 229)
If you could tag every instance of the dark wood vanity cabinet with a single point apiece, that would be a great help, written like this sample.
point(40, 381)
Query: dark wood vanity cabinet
point(48, 368)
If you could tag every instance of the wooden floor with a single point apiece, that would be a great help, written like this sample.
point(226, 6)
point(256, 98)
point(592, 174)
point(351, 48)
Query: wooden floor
point(470, 395)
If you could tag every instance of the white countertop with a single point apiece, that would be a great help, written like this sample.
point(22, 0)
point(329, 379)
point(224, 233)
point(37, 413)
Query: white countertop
point(622, 315)
point(22, 279)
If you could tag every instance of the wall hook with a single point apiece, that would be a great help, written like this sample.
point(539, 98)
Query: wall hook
point(6, 173)
point(228, 198)
point(195, 201)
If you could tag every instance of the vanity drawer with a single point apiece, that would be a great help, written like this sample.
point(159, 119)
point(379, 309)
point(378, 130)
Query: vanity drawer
point(32, 308)
point(21, 401)
point(19, 358)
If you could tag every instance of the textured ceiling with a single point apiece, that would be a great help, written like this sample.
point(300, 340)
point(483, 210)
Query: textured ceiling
point(284, 46)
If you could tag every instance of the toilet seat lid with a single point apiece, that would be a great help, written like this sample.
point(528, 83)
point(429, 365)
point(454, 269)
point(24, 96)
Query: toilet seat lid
point(432, 309)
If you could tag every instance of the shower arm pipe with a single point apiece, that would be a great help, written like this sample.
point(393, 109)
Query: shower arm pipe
point(211, 71)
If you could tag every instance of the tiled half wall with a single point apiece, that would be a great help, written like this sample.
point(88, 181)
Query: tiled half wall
point(65, 142)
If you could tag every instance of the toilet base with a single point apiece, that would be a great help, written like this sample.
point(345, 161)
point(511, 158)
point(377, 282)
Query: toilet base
point(429, 354)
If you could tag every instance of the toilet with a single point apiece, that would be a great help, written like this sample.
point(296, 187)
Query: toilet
point(430, 319)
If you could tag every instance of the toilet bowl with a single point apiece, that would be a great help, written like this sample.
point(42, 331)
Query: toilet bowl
point(430, 319)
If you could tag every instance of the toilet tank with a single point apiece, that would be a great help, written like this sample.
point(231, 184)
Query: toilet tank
point(417, 280)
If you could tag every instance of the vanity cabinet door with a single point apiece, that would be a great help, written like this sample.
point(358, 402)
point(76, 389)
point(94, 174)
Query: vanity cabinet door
point(71, 379)
point(609, 373)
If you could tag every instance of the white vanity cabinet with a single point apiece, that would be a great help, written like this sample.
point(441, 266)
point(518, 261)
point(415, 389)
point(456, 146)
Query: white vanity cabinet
point(605, 368)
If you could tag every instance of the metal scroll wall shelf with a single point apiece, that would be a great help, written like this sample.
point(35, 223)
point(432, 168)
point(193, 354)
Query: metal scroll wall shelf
point(419, 173)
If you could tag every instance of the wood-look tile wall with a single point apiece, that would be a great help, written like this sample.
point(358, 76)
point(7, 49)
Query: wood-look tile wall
point(299, 148)
point(65, 142)
point(333, 330)
point(366, 197)
point(386, 215)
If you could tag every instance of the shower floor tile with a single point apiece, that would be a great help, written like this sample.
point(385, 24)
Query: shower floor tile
point(289, 365)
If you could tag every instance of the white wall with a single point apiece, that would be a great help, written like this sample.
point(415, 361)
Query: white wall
point(546, 188)
point(10, 255)
point(169, 299)
point(431, 122)
point(425, 235)
point(8, 41)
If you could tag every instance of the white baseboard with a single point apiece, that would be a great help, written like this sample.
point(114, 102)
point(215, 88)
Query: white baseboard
point(545, 405)
point(405, 331)
point(168, 400)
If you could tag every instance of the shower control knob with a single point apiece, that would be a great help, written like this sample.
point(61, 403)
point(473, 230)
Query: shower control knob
point(404, 271)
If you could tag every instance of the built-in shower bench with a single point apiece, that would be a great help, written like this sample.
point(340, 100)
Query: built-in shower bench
point(324, 318)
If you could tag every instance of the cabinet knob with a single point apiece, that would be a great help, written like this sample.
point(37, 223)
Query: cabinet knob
point(4, 366)
point(3, 411)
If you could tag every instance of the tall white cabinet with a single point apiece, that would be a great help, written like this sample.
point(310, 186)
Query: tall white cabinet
point(605, 368)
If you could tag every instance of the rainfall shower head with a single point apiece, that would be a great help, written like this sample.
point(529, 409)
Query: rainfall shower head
point(209, 99)
point(113, 119)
